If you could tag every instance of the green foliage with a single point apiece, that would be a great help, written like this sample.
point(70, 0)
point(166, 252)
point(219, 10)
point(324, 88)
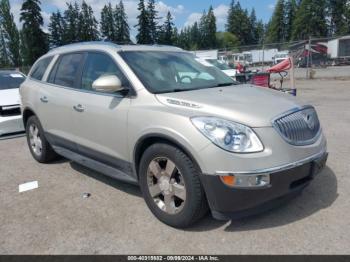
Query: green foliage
point(144, 33)
point(4, 56)
point(276, 31)
point(71, 23)
point(88, 26)
point(243, 25)
point(291, 9)
point(114, 24)
point(211, 29)
point(338, 12)
point(122, 26)
point(152, 21)
point(310, 20)
point(56, 28)
point(167, 31)
point(9, 33)
point(34, 41)
point(107, 23)
point(227, 40)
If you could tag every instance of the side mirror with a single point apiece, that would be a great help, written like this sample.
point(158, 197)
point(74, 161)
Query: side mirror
point(107, 83)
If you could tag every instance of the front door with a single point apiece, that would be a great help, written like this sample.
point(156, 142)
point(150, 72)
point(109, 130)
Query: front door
point(100, 119)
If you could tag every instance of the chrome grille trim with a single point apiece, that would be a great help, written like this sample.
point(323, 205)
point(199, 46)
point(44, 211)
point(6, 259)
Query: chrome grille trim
point(299, 126)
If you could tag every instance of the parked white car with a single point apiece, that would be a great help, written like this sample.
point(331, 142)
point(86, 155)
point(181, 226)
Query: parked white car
point(280, 56)
point(221, 66)
point(10, 110)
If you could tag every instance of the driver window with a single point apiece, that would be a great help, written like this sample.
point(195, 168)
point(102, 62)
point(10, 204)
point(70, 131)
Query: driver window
point(98, 64)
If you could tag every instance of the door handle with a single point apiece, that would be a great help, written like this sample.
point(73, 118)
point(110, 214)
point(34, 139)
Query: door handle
point(79, 108)
point(44, 99)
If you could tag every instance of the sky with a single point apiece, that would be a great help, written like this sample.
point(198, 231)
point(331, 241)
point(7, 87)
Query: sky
point(185, 12)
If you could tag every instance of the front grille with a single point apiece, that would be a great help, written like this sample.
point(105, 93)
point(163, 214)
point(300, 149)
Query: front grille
point(300, 127)
point(14, 110)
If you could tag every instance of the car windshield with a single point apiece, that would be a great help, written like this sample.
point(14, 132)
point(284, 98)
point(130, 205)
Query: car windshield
point(219, 65)
point(166, 72)
point(10, 80)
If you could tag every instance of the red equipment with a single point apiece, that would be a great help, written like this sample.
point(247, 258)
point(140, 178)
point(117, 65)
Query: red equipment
point(285, 65)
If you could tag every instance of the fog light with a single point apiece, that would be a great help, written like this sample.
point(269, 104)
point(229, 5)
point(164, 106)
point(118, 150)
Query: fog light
point(246, 181)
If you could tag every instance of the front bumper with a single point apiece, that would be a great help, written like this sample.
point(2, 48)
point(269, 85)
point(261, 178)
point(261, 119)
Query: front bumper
point(227, 202)
point(10, 125)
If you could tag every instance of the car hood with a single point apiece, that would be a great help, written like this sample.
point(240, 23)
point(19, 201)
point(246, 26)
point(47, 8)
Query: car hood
point(246, 104)
point(9, 97)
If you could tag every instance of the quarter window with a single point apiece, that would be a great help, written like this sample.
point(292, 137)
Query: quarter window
point(66, 70)
point(40, 68)
point(97, 65)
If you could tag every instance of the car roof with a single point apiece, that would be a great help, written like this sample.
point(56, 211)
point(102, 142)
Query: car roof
point(109, 46)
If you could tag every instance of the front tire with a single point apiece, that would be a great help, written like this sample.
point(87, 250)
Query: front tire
point(171, 186)
point(39, 147)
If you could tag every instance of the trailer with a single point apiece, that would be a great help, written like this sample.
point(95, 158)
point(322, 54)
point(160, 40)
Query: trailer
point(263, 56)
point(339, 51)
point(206, 54)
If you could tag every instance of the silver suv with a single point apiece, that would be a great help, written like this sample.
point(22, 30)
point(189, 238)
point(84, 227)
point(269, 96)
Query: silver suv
point(191, 137)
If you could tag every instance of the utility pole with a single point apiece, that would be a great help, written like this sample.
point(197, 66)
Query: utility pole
point(308, 59)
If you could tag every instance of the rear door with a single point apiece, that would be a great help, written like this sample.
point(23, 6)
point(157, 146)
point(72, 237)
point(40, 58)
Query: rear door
point(100, 119)
point(57, 98)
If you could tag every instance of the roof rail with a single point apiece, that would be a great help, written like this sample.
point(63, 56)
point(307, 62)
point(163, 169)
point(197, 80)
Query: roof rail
point(85, 43)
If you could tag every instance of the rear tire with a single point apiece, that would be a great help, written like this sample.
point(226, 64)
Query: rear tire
point(39, 147)
point(171, 186)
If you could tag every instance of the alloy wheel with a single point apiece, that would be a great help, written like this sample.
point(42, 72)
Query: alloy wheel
point(166, 185)
point(35, 140)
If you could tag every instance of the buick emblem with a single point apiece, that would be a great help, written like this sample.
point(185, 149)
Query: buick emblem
point(310, 121)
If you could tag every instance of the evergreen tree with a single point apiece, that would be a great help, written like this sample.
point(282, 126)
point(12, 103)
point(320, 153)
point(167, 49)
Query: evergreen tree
point(71, 23)
point(144, 35)
point(260, 32)
point(310, 20)
point(87, 24)
point(152, 21)
point(238, 23)
point(347, 19)
point(4, 56)
point(203, 32)
point(166, 34)
point(195, 37)
point(35, 42)
point(254, 37)
point(211, 28)
point(184, 40)
point(232, 24)
point(290, 13)
point(227, 40)
point(122, 26)
point(337, 14)
point(276, 31)
point(107, 23)
point(56, 29)
point(10, 33)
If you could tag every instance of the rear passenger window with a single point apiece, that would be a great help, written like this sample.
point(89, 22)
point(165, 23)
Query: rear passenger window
point(98, 64)
point(65, 71)
point(40, 68)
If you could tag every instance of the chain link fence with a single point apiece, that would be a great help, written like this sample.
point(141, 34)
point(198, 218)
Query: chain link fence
point(313, 58)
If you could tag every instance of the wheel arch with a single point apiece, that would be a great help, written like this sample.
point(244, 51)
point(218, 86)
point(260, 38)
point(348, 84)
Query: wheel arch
point(147, 140)
point(27, 112)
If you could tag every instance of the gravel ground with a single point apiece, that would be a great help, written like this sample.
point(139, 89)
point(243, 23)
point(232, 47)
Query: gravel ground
point(56, 219)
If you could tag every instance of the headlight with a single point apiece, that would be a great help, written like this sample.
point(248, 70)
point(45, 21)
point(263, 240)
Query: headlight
point(228, 135)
